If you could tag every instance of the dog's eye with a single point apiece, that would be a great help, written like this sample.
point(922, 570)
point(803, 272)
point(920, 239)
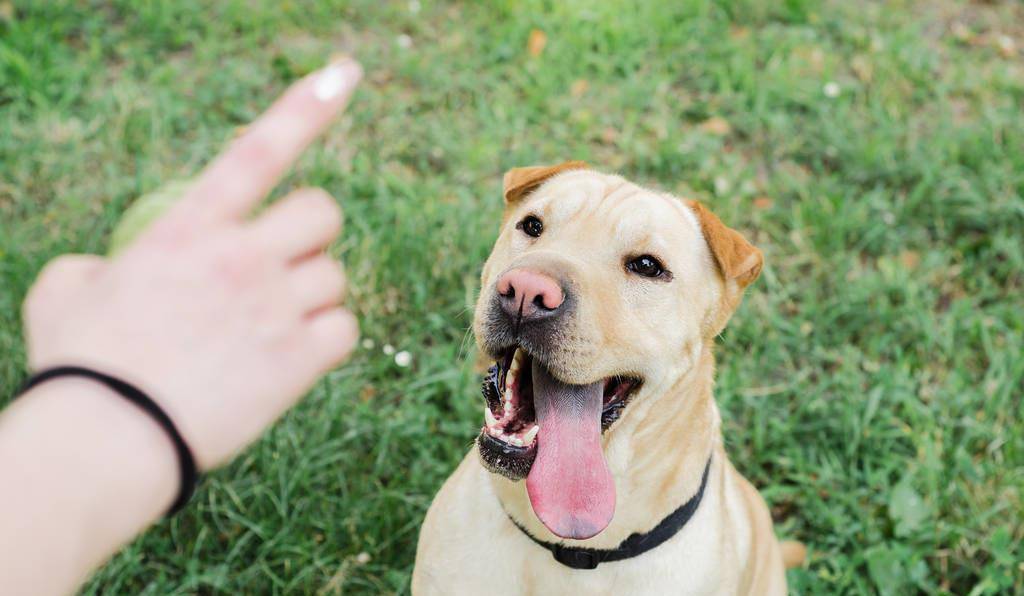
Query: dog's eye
point(531, 226)
point(647, 266)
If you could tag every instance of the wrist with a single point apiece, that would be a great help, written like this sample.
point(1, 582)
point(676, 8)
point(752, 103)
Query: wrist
point(99, 466)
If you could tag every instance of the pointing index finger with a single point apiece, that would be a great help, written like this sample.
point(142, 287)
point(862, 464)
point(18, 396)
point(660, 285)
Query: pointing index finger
point(241, 176)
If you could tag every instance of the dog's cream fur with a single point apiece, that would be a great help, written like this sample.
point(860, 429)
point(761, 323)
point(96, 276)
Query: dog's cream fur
point(660, 331)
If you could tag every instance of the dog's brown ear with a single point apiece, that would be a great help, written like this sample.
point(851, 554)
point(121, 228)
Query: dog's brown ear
point(518, 182)
point(737, 259)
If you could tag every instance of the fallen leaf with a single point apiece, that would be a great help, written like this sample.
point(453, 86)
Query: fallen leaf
point(579, 87)
point(910, 259)
point(535, 45)
point(763, 202)
point(717, 126)
point(737, 32)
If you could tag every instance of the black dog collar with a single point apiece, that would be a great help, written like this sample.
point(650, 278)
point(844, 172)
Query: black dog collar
point(633, 546)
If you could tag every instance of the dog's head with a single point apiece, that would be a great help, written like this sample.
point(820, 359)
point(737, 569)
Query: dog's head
point(595, 288)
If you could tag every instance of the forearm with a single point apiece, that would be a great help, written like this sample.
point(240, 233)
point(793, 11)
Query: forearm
point(82, 472)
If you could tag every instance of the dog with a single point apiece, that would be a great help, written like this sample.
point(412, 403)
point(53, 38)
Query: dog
point(600, 467)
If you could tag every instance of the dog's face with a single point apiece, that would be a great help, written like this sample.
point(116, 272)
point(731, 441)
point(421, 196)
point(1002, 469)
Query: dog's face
point(595, 288)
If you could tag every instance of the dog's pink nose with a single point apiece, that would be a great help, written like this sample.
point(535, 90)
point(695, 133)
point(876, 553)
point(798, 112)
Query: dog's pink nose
point(529, 293)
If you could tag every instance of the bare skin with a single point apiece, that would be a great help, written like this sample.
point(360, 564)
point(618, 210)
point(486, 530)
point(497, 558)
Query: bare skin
point(225, 321)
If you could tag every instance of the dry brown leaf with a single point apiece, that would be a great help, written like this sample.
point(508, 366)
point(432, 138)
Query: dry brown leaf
point(762, 202)
point(579, 87)
point(737, 32)
point(535, 45)
point(717, 126)
point(910, 259)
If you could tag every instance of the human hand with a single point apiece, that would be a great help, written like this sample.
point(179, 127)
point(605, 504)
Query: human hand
point(223, 320)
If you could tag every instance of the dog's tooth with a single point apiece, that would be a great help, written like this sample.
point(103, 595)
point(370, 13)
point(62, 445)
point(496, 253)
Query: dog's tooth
point(489, 417)
point(531, 434)
point(516, 441)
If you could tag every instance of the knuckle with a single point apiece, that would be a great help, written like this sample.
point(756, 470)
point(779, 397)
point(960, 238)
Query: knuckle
point(340, 329)
point(55, 269)
point(320, 204)
point(330, 271)
point(337, 278)
point(53, 274)
point(321, 272)
point(59, 276)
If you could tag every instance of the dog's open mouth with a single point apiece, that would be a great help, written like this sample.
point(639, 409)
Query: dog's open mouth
point(509, 413)
point(539, 428)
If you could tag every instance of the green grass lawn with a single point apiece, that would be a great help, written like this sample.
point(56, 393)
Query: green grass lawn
point(870, 385)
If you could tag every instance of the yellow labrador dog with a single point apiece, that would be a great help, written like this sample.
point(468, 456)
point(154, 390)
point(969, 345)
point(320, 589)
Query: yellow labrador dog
point(600, 467)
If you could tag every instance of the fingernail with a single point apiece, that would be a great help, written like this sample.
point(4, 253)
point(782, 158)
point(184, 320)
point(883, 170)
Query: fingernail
point(338, 77)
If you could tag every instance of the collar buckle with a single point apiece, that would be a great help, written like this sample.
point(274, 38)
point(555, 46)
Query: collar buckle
point(575, 558)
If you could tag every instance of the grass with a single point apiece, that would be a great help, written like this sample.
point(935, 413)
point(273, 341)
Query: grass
point(870, 385)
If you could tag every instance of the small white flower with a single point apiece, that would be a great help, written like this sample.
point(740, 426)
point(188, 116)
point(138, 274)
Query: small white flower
point(368, 344)
point(388, 349)
point(403, 359)
point(831, 89)
point(404, 41)
point(722, 185)
point(363, 558)
point(414, 6)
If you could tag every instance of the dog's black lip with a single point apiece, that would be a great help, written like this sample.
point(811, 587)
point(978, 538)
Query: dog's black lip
point(505, 448)
point(507, 460)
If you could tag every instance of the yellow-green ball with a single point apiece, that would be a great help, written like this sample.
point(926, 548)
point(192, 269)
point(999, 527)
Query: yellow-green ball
point(143, 212)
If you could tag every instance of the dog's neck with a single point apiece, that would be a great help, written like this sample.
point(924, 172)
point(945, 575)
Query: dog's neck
point(656, 453)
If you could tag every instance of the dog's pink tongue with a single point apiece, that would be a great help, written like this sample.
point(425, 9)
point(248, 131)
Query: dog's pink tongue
point(570, 486)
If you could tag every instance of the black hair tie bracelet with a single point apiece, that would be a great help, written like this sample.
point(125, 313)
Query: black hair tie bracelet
point(187, 464)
